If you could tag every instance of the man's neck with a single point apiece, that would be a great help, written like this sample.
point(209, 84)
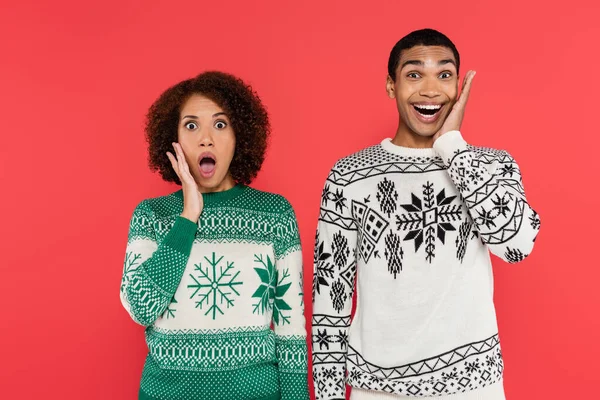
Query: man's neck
point(407, 138)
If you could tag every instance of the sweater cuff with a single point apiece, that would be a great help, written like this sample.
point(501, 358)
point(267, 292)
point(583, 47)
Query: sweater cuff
point(448, 145)
point(181, 236)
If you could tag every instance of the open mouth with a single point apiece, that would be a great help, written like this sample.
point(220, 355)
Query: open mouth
point(427, 112)
point(208, 164)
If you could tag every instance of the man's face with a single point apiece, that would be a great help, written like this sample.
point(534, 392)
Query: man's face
point(425, 89)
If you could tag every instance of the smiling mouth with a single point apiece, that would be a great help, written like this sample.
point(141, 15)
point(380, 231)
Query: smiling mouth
point(427, 110)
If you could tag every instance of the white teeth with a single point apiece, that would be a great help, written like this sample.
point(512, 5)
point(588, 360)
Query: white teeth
point(429, 106)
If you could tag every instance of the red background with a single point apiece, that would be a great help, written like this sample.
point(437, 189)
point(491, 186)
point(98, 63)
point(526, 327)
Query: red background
point(76, 80)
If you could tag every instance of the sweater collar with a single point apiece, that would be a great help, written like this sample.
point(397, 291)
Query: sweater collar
point(218, 197)
point(407, 151)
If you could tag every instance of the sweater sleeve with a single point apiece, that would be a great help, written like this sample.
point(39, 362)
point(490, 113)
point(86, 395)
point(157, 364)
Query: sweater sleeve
point(288, 310)
point(152, 272)
point(491, 186)
point(333, 288)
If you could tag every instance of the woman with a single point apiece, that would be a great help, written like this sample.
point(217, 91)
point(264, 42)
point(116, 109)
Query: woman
point(211, 267)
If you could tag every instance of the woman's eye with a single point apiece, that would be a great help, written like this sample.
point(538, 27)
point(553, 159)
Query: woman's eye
point(220, 124)
point(191, 126)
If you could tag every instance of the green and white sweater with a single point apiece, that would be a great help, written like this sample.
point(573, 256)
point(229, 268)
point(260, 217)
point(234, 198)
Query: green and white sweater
point(209, 293)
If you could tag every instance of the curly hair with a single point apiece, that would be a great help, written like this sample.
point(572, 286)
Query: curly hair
point(248, 116)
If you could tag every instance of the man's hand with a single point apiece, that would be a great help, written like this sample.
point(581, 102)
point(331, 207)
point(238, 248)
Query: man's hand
point(454, 119)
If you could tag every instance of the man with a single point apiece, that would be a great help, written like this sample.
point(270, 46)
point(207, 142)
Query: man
point(413, 221)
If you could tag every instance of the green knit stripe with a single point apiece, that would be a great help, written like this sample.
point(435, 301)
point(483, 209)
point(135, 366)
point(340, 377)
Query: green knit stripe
point(244, 215)
point(291, 354)
point(144, 297)
point(211, 352)
point(294, 386)
point(141, 225)
point(165, 268)
point(259, 381)
point(181, 235)
point(288, 237)
point(274, 396)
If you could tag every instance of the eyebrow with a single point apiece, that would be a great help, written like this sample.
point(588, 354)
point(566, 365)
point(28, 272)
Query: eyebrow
point(214, 115)
point(420, 63)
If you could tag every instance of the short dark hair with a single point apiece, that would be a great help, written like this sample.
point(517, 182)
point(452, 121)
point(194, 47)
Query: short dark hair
point(422, 37)
point(249, 120)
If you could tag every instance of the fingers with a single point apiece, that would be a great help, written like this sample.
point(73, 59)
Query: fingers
point(182, 165)
point(466, 88)
point(174, 163)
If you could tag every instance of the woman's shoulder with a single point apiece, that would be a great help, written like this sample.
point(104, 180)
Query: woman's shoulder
point(161, 206)
point(264, 201)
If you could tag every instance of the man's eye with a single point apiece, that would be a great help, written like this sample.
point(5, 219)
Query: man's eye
point(220, 124)
point(445, 75)
point(413, 75)
point(191, 126)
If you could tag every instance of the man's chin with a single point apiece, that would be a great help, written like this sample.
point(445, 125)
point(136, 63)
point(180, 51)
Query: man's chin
point(425, 133)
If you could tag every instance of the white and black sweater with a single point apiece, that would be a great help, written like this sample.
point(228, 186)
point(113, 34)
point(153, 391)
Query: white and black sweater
point(414, 228)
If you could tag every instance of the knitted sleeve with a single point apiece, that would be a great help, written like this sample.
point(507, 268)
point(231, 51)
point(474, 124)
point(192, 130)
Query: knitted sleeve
point(288, 309)
point(491, 186)
point(333, 287)
point(153, 271)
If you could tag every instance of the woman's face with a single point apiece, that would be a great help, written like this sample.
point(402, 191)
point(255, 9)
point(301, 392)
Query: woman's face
point(208, 141)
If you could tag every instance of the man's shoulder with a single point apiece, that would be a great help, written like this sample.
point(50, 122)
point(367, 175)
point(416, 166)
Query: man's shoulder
point(490, 154)
point(364, 158)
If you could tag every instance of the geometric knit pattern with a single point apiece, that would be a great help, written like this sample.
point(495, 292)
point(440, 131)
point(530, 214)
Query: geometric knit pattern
point(197, 350)
point(224, 318)
point(483, 368)
point(411, 230)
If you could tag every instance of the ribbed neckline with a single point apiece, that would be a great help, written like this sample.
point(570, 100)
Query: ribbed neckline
point(219, 197)
point(407, 151)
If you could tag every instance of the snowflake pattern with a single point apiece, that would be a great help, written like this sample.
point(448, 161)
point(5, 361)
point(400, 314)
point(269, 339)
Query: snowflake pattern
point(387, 196)
point(338, 295)
point(501, 204)
point(508, 170)
point(393, 253)
point(323, 268)
point(323, 339)
point(170, 311)
point(535, 221)
point(130, 265)
point(271, 290)
point(429, 218)
point(472, 367)
point(463, 239)
point(514, 256)
point(486, 218)
point(211, 285)
point(337, 198)
point(340, 248)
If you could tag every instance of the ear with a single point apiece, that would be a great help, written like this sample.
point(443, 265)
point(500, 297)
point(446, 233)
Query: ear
point(389, 87)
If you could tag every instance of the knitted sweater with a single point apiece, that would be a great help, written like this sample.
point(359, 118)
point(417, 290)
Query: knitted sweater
point(413, 228)
point(209, 292)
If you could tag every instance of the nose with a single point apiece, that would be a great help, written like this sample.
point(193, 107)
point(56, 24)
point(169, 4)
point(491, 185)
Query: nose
point(206, 139)
point(430, 88)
